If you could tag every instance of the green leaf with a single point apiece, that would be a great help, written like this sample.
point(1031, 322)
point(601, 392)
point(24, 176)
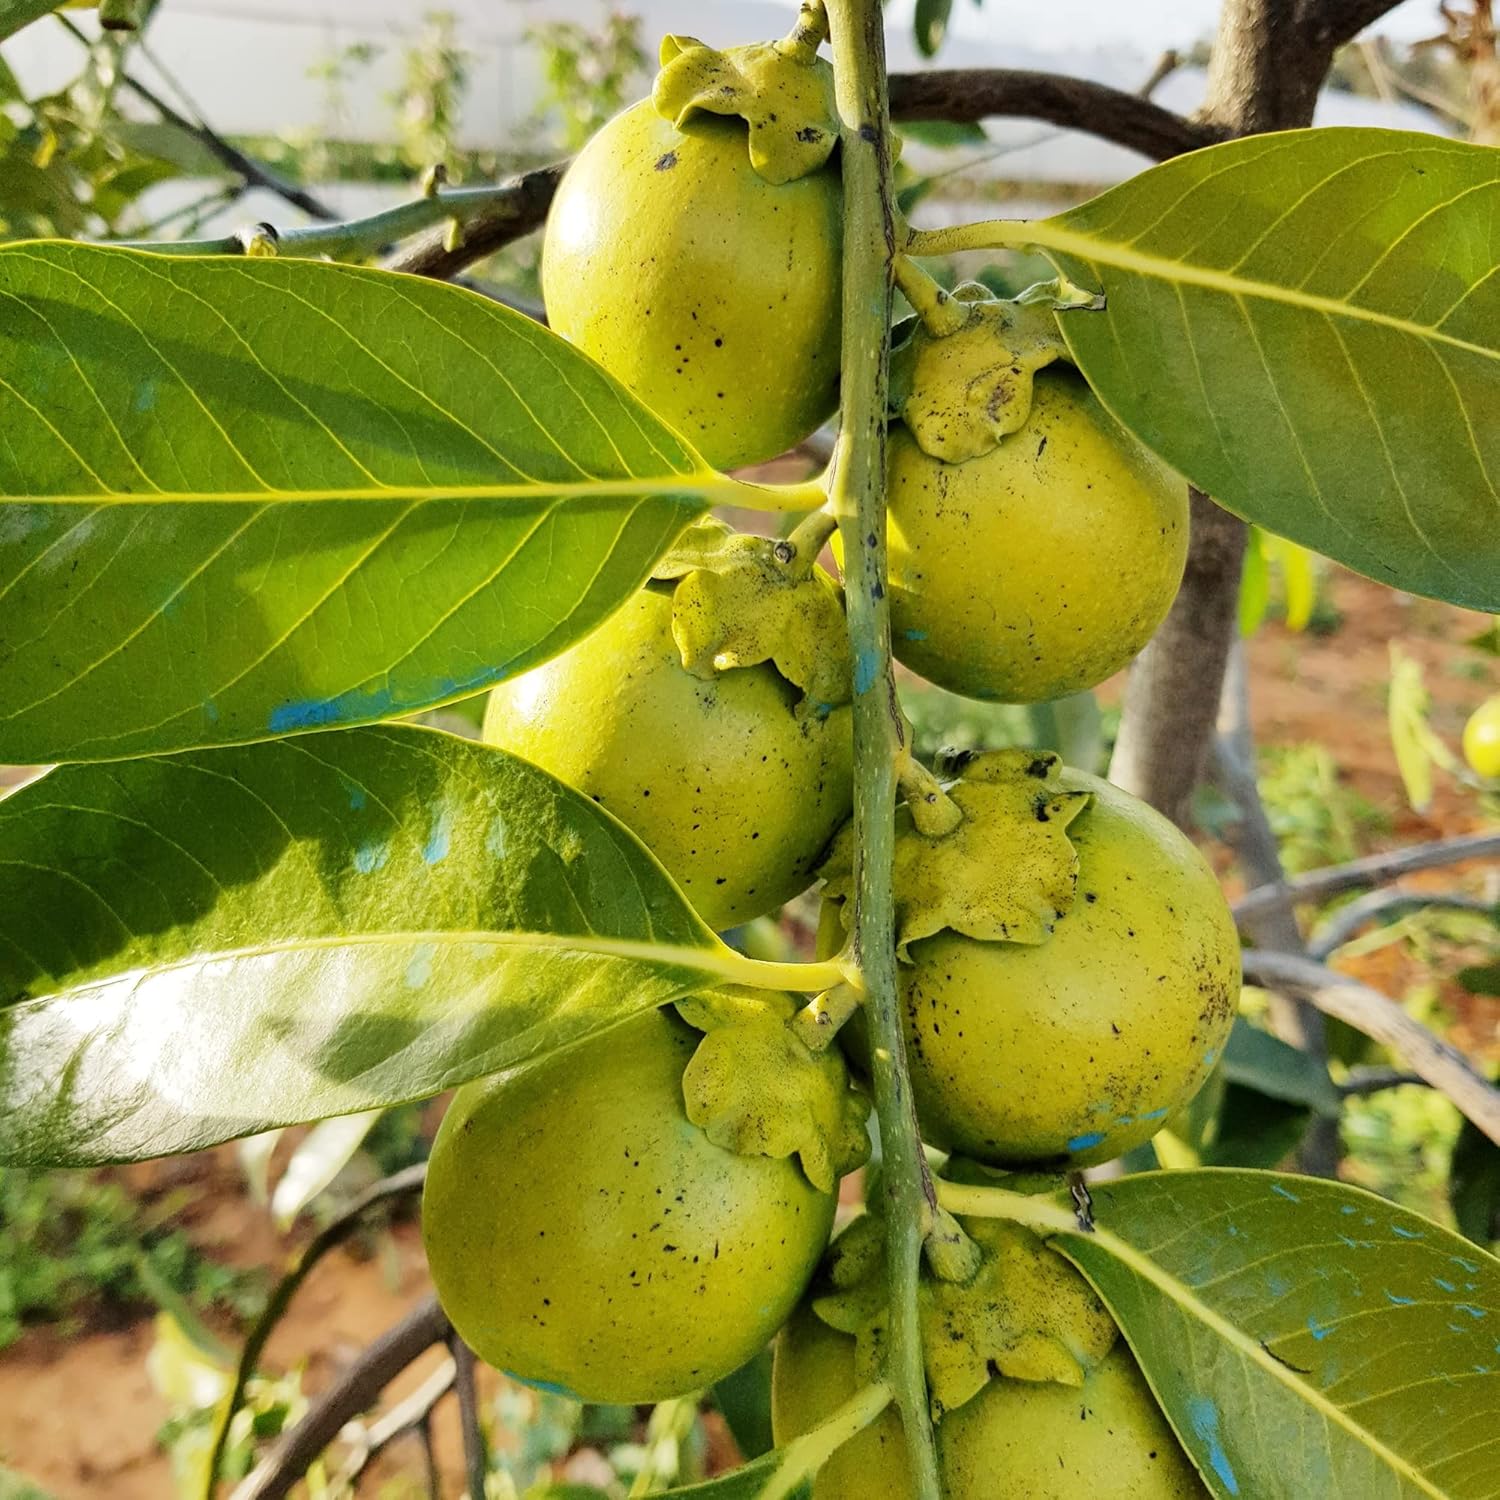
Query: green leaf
point(249, 496)
point(747, 1483)
point(14, 14)
point(1255, 584)
point(1305, 1338)
point(943, 133)
point(1474, 1184)
point(1254, 1130)
point(744, 1398)
point(930, 24)
point(1305, 324)
point(208, 945)
point(1255, 1059)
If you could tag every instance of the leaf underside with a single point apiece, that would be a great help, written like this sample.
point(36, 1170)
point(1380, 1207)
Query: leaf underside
point(247, 497)
point(1307, 325)
point(210, 944)
point(1305, 1338)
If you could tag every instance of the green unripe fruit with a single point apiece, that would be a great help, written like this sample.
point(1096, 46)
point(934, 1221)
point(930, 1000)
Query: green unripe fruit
point(1024, 1440)
point(583, 1234)
point(1069, 1046)
point(1482, 739)
point(1041, 567)
point(709, 291)
point(735, 791)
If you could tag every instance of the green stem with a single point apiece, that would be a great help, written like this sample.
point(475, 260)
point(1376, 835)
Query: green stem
point(804, 1456)
point(987, 234)
point(858, 497)
point(353, 239)
point(1035, 1212)
point(940, 312)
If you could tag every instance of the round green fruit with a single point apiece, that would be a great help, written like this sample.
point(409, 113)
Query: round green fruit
point(583, 1234)
point(710, 292)
point(1075, 1049)
point(1041, 567)
point(1024, 1440)
point(734, 791)
point(1482, 738)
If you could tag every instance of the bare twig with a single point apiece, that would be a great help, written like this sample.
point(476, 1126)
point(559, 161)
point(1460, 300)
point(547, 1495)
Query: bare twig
point(1348, 920)
point(1166, 65)
point(253, 172)
point(334, 1234)
point(1377, 1080)
point(1375, 869)
point(355, 1391)
point(1379, 1017)
point(408, 1416)
point(475, 1462)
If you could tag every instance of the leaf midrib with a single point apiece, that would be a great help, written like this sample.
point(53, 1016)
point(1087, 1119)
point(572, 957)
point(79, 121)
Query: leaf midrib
point(1048, 234)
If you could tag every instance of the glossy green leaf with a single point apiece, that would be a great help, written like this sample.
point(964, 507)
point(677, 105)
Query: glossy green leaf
point(1255, 1059)
point(930, 24)
point(744, 1399)
point(206, 945)
point(1254, 1129)
point(748, 1483)
point(242, 497)
point(14, 14)
point(1307, 325)
point(1474, 1185)
point(1305, 1338)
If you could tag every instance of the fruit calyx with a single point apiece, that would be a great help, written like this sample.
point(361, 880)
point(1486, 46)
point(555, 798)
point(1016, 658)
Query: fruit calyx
point(756, 1088)
point(962, 381)
point(782, 90)
point(741, 600)
point(1024, 1313)
point(1016, 817)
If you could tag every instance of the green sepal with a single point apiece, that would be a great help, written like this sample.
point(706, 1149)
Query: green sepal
point(755, 1087)
point(742, 600)
point(960, 392)
point(1025, 1314)
point(1007, 873)
point(782, 94)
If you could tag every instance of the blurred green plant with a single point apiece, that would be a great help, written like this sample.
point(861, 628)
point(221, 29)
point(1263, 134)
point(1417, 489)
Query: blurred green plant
point(1317, 817)
point(429, 103)
point(590, 74)
point(72, 1245)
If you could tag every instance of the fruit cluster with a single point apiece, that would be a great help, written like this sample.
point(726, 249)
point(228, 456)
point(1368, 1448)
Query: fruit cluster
point(637, 1216)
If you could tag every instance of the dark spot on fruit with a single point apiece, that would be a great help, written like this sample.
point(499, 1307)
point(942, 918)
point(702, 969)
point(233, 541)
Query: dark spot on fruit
point(667, 162)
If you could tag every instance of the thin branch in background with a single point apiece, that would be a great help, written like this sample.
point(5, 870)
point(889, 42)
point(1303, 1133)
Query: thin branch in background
point(409, 1416)
point(1348, 920)
point(1380, 1018)
point(355, 1391)
point(1166, 65)
point(401, 1184)
point(1362, 1081)
point(476, 1462)
point(1375, 869)
point(253, 173)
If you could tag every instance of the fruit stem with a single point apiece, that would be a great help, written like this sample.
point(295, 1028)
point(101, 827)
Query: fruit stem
point(804, 1456)
point(987, 234)
point(821, 1019)
point(809, 33)
point(871, 238)
point(1035, 1212)
point(951, 1254)
point(934, 813)
point(941, 313)
point(798, 552)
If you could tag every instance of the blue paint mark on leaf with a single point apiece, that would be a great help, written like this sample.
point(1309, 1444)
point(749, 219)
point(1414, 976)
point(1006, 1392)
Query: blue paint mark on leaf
point(355, 793)
point(1155, 1114)
point(1473, 1312)
point(211, 711)
point(915, 635)
point(866, 670)
point(1405, 1233)
point(1277, 1284)
point(145, 396)
point(1204, 1416)
point(419, 970)
point(1318, 1330)
point(439, 839)
point(1347, 1208)
point(1446, 1286)
point(1471, 1266)
point(551, 1387)
point(370, 857)
point(1396, 1301)
point(1209, 1056)
point(1286, 1193)
point(1087, 1141)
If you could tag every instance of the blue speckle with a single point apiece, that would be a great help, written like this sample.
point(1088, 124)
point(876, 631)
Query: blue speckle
point(171, 606)
point(1209, 1056)
point(1155, 1114)
point(1205, 1419)
point(210, 710)
point(441, 836)
point(145, 397)
point(822, 710)
point(1406, 1234)
point(1396, 1301)
point(1286, 1193)
point(866, 670)
point(915, 635)
point(311, 713)
point(1347, 1208)
point(1471, 1266)
point(549, 1386)
point(1446, 1286)
point(1125, 1120)
point(1318, 1330)
point(1473, 1312)
point(1277, 1284)
point(1086, 1142)
point(419, 970)
point(370, 857)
